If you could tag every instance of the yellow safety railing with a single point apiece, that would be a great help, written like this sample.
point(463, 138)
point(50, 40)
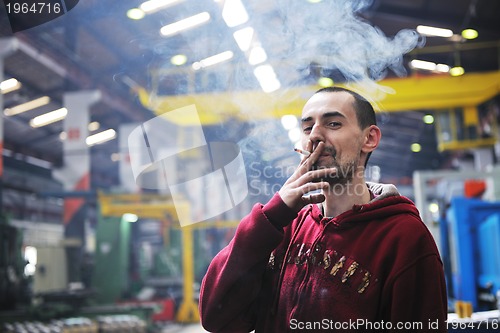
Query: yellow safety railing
point(159, 207)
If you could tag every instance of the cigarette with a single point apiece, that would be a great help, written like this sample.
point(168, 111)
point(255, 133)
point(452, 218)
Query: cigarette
point(303, 152)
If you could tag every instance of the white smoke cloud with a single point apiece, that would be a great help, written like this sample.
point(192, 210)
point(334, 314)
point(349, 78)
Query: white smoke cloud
point(298, 36)
point(334, 35)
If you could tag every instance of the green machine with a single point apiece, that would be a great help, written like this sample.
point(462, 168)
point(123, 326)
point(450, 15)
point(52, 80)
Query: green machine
point(110, 277)
point(14, 284)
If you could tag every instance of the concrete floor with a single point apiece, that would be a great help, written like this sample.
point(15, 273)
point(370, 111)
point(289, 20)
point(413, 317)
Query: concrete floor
point(189, 328)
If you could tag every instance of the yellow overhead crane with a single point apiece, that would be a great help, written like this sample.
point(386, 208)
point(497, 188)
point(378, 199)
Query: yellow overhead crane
point(440, 93)
point(159, 207)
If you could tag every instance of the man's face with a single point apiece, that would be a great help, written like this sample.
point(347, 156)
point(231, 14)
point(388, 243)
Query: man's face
point(330, 117)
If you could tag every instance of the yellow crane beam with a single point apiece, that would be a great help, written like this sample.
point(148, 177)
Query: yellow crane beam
point(402, 94)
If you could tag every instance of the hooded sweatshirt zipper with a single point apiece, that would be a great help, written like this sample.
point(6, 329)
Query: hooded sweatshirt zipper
point(283, 264)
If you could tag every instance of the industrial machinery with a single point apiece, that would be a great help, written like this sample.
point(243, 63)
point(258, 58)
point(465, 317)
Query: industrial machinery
point(12, 281)
point(462, 210)
point(113, 246)
point(470, 236)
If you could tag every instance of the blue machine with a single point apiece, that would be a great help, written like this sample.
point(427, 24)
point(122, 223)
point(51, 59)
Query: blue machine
point(470, 238)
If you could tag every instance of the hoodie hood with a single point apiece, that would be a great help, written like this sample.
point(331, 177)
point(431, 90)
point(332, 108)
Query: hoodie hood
point(386, 201)
point(382, 191)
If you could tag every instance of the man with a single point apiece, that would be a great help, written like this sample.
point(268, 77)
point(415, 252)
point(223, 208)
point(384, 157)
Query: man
point(355, 257)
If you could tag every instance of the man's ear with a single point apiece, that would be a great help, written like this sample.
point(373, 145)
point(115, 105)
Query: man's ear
point(372, 139)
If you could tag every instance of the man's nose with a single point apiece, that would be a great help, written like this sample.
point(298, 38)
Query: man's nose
point(316, 135)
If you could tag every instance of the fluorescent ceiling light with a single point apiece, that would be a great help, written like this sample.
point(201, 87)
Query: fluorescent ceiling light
point(93, 126)
point(178, 60)
point(325, 82)
point(415, 147)
point(101, 137)
point(289, 121)
point(234, 13)
point(129, 217)
point(433, 31)
point(434, 207)
point(49, 118)
point(9, 85)
point(428, 119)
point(457, 71)
point(244, 38)
point(187, 23)
point(257, 56)
point(469, 33)
point(442, 68)
point(135, 14)
point(421, 64)
point(267, 78)
point(216, 59)
point(36, 103)
point(429, 66)
point(155, 5)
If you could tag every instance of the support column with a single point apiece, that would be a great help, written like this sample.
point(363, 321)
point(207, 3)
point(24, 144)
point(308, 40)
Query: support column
point(127, 180)
point(483, 158)
point(188, 310)
point(75, 175)
point(7, 46)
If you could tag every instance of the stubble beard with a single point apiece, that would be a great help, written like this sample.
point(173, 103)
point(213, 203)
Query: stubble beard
point(345, 171)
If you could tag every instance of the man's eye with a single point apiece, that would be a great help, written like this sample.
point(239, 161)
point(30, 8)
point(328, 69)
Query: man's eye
point(307, 129)
point(334, 124)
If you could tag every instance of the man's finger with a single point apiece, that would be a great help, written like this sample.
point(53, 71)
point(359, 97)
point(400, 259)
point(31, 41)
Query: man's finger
point(310, 187)
point(313, 158)
point(315, 175)
point(308, 148)
point(307, 162)
point(313, 198)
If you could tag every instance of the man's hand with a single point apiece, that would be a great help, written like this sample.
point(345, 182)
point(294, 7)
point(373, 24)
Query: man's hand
point(304, 180)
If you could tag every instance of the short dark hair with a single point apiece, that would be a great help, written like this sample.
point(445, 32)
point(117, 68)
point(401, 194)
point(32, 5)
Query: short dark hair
point(364, 110)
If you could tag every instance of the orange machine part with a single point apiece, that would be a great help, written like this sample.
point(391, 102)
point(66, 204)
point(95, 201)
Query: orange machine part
point(474, 188)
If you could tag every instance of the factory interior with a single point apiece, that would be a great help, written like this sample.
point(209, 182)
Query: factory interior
point(135, 135)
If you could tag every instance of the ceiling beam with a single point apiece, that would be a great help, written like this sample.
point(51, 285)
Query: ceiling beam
point(81, 78)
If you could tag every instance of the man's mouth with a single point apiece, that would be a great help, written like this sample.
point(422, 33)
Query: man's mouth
point(329, 152)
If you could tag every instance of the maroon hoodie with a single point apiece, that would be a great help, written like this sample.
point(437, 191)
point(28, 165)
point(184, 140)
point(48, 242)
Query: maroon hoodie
point(375, 267)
